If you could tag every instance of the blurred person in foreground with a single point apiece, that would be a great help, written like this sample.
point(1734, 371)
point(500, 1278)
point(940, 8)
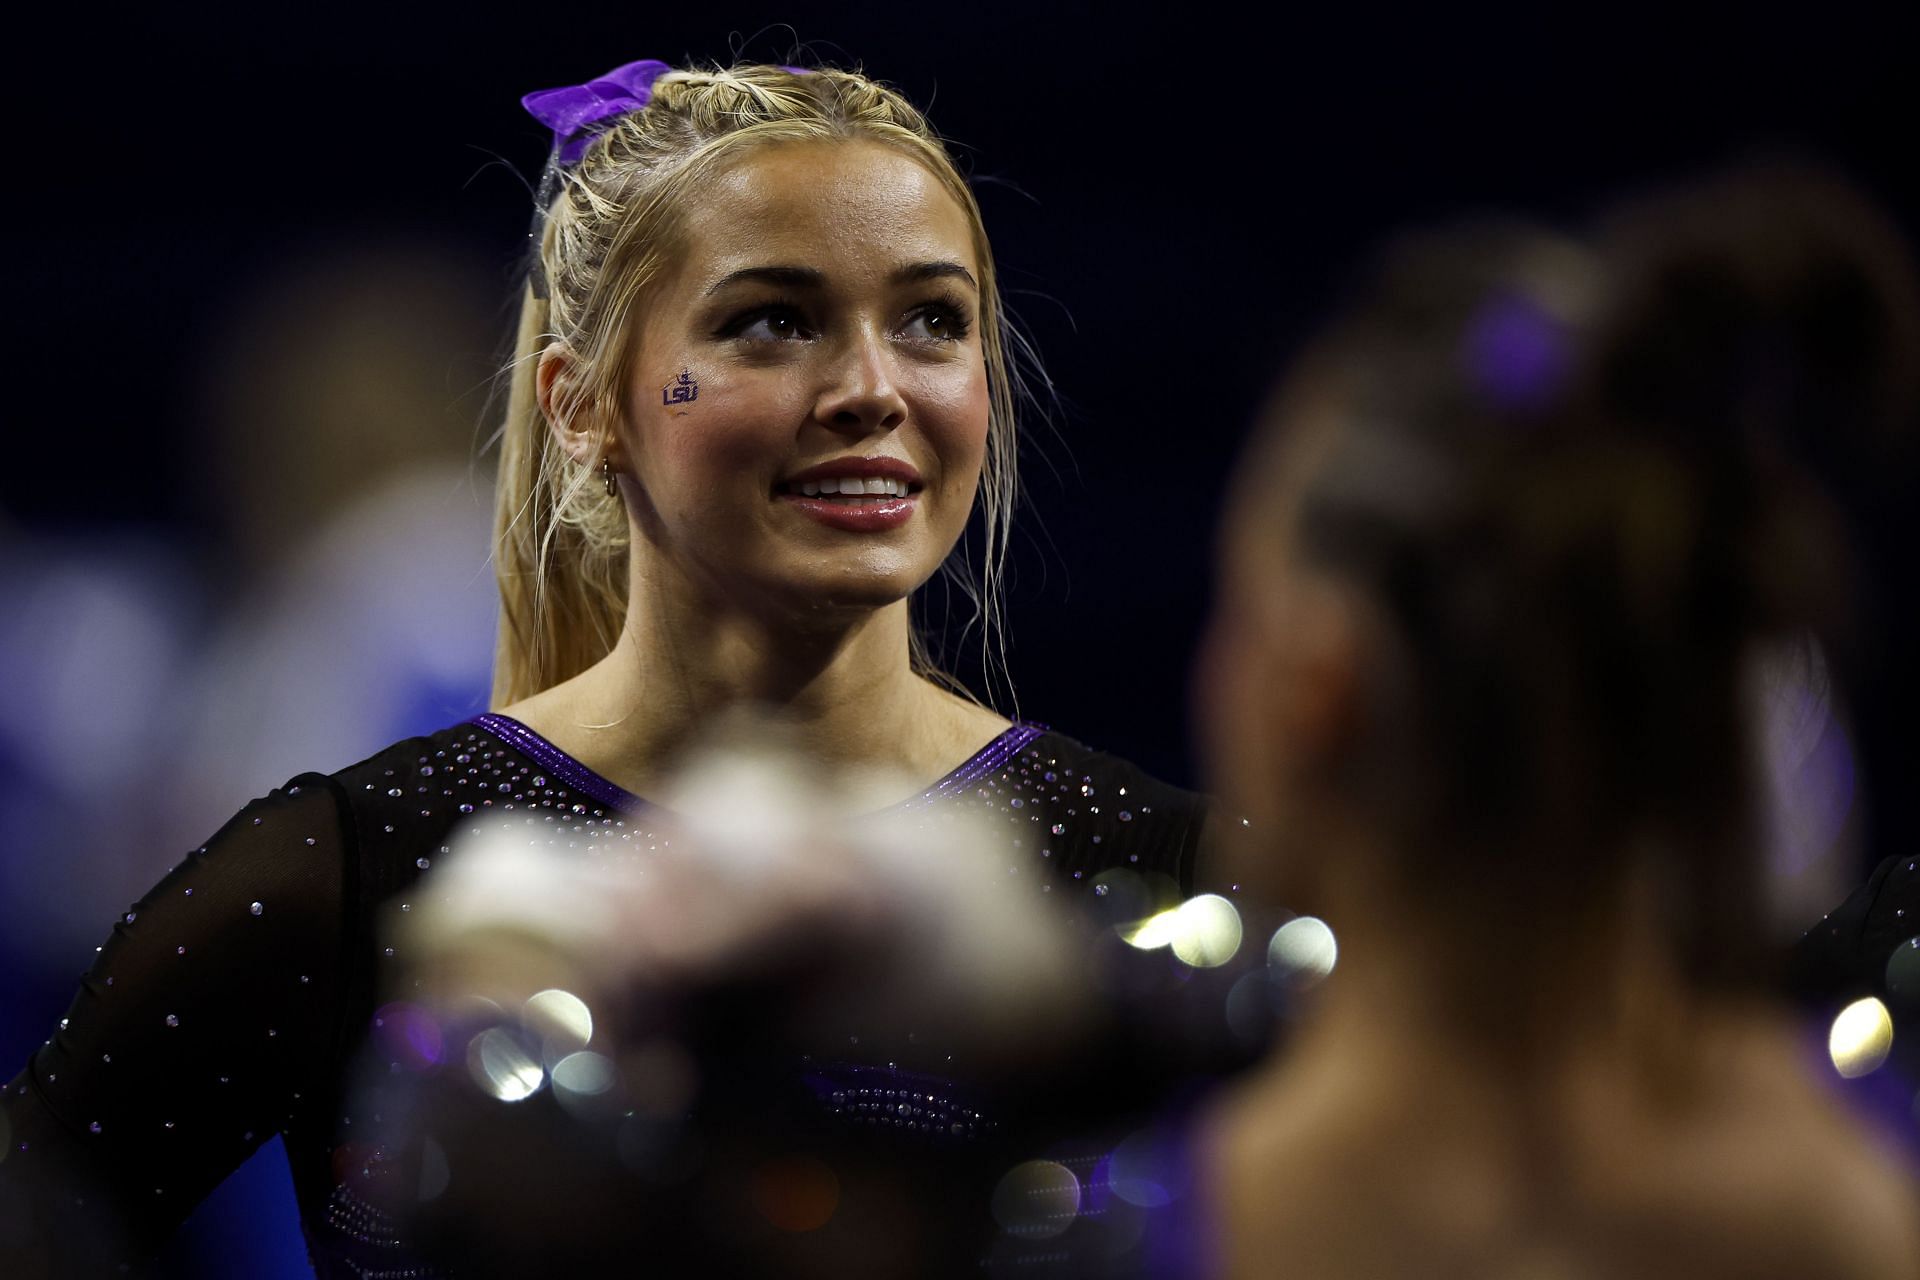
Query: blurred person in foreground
point(1523, 535)
point(763, 383)
point(1519, 538)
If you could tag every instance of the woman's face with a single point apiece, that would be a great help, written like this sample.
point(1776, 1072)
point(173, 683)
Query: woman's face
point(807, 414)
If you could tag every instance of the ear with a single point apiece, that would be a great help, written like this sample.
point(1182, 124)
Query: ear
point(1282, 707)
point(560, 382)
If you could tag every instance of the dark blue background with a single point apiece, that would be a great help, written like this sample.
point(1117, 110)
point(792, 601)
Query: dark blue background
point(1174, 199)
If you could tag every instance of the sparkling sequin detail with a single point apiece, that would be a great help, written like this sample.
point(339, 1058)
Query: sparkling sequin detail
point(888, 1098)
point(355, 1218)
point(555, 761)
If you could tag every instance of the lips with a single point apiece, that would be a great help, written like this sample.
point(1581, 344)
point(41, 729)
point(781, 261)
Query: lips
point(864, 514)
point(856, 495)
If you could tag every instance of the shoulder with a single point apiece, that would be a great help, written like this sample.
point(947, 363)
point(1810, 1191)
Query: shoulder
point(1104, 779)
point(401, 804)
point(316, 852)
point(445, 753)
point(1804, 1203)
point(1807, 1176)
point(1772, 1164)
point(409, 790)
point(1090, 811)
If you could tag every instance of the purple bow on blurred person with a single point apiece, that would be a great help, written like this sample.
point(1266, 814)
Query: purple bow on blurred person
point(1517, 353)
point(571, 112)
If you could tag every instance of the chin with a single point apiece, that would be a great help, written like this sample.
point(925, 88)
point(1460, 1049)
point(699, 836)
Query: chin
point(845, 592)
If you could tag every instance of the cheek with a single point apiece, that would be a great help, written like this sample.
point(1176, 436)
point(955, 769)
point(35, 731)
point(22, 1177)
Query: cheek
point(1233, 755)
point(723, 437)
point(953, 409)
point(1249, 769)
point(1221, 679)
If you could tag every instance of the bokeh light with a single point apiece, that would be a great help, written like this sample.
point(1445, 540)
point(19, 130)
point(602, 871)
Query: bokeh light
point(1302, 951)
point(587, 1085)
point(584, 1072)
point(502, 1068)
point(1861, 1038)
point(1209, 931)
point(1203, 931)
point(561, 1020)
point(1156, 931)
point(1036, 1199)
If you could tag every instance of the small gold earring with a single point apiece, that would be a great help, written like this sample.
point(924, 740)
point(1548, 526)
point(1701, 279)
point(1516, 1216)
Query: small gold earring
point(606, 477)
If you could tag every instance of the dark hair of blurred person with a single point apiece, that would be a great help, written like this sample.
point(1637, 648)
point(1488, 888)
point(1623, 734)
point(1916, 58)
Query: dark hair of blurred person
point(1497, 579)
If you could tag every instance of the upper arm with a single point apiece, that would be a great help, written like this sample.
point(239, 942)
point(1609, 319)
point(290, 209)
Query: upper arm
point(210, 1010)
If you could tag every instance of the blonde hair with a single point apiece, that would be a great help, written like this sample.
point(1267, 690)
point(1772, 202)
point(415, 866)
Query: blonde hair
point(560, 542)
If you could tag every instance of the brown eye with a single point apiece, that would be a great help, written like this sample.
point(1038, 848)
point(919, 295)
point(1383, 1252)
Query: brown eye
point(778, 326)
point(776, 323)
point(937, 323)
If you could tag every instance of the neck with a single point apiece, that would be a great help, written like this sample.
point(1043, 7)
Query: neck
point(1417, 998)
point(841, 684)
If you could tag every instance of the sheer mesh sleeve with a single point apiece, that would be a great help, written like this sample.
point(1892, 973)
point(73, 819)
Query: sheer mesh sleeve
point(209, 1013)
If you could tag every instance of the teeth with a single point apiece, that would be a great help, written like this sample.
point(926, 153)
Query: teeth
point(853, 485)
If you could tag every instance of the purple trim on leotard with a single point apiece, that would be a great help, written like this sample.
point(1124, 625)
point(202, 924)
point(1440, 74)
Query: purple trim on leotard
point(555, 761)
point(980, 764)
point(612, 794)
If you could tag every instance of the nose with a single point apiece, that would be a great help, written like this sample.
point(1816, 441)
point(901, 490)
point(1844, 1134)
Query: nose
point(861, 396)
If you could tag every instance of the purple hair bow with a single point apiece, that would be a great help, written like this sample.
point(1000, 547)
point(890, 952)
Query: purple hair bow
point(1517, 353)
point(573, 111)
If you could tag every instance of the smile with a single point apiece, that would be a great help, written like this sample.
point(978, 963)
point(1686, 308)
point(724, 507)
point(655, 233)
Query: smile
point(852, 488)
point(855, 495)
point(852, 504)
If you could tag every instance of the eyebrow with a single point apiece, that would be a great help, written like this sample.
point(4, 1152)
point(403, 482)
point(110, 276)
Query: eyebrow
point(791, 277)
point(922, 271)
point(809, 278)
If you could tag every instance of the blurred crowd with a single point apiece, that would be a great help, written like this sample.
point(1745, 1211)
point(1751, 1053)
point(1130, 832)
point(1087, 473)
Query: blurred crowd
point(153, 685)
